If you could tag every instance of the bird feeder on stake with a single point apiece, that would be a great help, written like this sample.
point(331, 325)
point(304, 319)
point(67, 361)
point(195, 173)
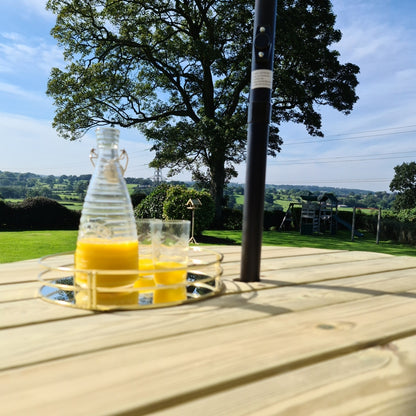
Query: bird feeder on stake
point(193, 204)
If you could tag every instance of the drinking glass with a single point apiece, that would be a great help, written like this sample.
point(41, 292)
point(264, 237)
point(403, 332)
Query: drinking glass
point(171, 260)
point(148, 233)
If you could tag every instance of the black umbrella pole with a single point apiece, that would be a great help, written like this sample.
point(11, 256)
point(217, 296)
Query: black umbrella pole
point(258, 137)
point(253, 206)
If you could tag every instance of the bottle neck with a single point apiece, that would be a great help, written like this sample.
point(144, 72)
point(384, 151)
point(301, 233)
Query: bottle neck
point(107, 142)
point(108, 152)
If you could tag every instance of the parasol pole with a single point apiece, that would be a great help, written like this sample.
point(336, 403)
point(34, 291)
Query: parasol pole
point(259, 113)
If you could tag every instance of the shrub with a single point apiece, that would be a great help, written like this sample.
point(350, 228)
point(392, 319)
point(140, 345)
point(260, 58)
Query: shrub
point(152, 205)
point(6, 215)
point(137, 197)
point(398, 226)
point(232, 219)
point(175, 206)
point(405, 215)
point(273, 219)
point(296, 214)
point(38, 213)
point(169, 202)
point(45, 213)
point(395, 226)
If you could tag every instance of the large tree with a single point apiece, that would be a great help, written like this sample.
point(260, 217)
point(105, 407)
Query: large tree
point(179, 71)
point(404, 182)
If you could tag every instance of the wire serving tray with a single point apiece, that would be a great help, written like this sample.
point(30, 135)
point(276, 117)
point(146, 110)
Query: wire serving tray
point(59, 285)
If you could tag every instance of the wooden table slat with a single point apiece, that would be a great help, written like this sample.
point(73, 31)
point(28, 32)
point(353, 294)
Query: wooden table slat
point(222, 353)
point(358, 387)
point(324, 333)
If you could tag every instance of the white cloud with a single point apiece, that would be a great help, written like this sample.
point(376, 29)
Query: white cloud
point(365, 42)
point(20, 92)
point(378, 37)
point(13, 36)
point(28, 10)
point(37, 6)
point(34, 146)
point(19, 54)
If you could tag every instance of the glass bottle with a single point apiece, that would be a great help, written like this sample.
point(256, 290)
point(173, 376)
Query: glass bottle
point(107, 236)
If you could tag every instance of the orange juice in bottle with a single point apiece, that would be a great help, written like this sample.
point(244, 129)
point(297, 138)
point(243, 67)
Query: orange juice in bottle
point(107, 238)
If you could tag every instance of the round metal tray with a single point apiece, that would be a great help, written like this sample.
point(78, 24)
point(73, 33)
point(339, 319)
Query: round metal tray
point(59, 286)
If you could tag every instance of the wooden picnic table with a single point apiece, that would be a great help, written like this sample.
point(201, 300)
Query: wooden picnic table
point(328, 333)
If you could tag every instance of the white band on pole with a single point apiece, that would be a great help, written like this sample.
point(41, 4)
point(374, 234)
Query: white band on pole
point(261, 78)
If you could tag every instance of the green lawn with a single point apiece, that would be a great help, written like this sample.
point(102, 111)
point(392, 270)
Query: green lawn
point(23, 245)
point(76, 206)
point(340, 241)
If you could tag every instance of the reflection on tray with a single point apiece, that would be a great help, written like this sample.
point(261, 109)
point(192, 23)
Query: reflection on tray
point(62, 290)
point(58, 286)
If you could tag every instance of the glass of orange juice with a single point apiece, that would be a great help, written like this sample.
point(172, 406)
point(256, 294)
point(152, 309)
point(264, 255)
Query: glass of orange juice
point(148, 233)
point(171, 260)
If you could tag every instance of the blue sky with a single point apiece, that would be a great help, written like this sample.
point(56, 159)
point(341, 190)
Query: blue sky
point(358, 151)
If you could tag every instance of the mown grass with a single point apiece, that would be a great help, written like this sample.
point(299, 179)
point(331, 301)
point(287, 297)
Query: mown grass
point(76, 206)
point(23, 245)
point(339, 241)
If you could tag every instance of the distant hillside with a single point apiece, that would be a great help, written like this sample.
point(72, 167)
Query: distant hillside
point(323, 189)
point(18, 178)
point(70, 191)
point(313, 189)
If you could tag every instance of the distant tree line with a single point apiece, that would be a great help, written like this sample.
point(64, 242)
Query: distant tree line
point(65, 187)
point(73, 188)
point(275, 194)
point(36, 208)
point(29, 185)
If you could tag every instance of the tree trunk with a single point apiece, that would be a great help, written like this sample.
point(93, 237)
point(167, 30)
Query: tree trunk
point(217, 188)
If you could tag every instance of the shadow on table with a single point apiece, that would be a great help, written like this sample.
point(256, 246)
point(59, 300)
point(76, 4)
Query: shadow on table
point(353, 289)
point(206, 239)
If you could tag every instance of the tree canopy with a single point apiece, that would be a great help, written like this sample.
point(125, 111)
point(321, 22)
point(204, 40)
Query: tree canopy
point(179, 71)
point(404, 182)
